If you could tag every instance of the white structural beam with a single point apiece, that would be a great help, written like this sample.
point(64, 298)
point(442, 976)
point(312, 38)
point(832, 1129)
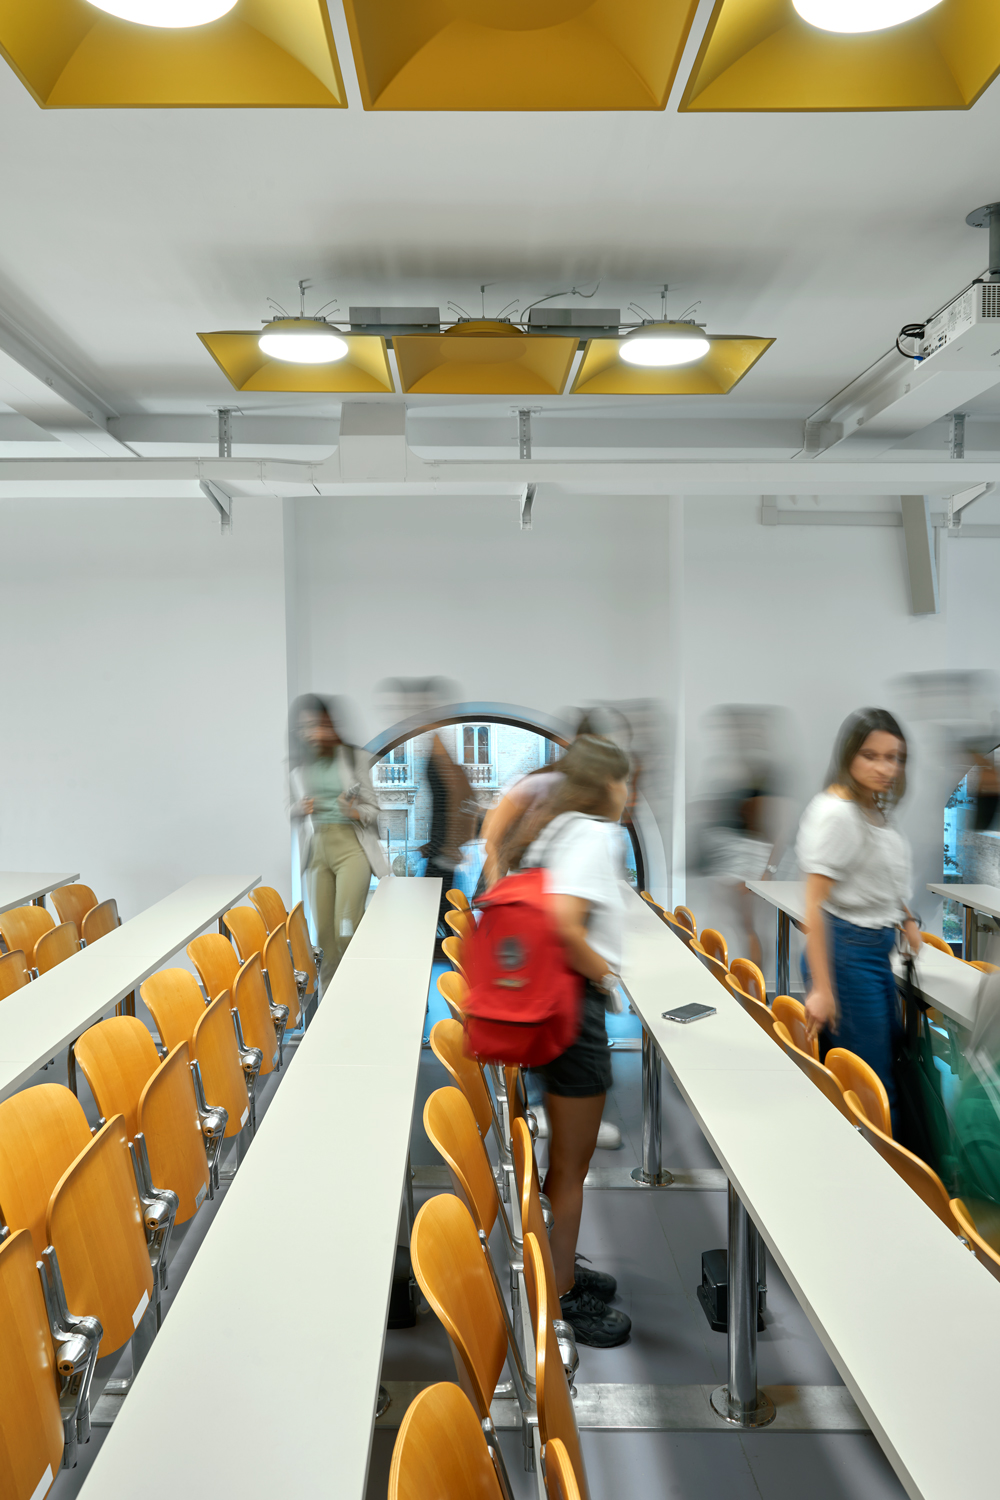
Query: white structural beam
point(38, 386)
point(921, 566)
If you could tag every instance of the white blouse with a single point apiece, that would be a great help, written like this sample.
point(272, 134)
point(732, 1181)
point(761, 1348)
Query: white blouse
point(869, 865)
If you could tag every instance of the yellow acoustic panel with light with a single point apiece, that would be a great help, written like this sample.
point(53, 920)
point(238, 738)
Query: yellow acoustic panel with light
point(263, 53)
point(603, 373)
point(365, 367)
point(517, 54)
point(761, 55)
point(483, 358)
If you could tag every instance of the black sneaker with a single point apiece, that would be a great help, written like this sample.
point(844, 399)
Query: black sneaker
point(592, 1321)
point(598, 1283)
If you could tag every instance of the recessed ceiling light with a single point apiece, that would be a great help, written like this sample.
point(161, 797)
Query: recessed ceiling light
point(302, 341)
point(664, 345)
point(172, 13)
point(861, 15)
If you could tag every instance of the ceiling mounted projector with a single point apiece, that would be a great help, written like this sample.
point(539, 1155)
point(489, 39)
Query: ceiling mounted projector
point(302, 341)
point(662, 346)
point(861, 15)
point(172, 13)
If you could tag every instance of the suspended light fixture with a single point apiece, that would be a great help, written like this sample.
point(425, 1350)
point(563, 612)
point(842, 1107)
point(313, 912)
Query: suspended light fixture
point(662, 346)
point(172, 13)
point(302, 341)
point(861, 15)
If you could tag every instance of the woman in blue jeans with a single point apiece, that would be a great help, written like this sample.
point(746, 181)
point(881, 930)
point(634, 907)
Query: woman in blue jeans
point(857, 869)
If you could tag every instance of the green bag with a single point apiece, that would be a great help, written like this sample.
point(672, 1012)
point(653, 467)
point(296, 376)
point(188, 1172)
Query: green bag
point(922, 1120)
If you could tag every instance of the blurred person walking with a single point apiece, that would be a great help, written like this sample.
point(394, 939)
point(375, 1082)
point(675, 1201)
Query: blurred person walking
point(334, 805)
point(454, 822)
point(857, 868)
point(578, 843)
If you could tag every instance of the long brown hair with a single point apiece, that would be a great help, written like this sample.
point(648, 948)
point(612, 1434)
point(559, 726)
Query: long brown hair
point(589, 766)
point(853, 733)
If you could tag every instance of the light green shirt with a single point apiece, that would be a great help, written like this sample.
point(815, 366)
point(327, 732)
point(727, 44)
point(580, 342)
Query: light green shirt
point(325, 785)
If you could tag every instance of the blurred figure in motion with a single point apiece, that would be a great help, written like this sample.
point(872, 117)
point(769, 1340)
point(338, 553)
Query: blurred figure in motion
point(857, 870)
point(334, 805)
point(976, 1110)
point(454, 822)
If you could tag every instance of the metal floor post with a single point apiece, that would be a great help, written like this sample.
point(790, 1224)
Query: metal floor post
point(740, 1401)
point(651, 1173)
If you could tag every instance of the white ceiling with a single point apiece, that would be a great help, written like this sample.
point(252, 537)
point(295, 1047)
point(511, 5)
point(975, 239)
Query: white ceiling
point(126, 232)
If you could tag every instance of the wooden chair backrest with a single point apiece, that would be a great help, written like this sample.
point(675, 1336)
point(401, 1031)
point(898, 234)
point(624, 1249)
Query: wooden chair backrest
point(214, 1048)
point(685, 916)
point(23, 926)
point(984, 1253)
point(451, 1129)
point(792, 1015)
point(560, 1481)
point(99, 921)
point(448, 1046)
point(270, 905)
point(748, 977)
point(451, 947)
point(932, 939)
point(56, 945)
point(13, 972)
point(281, 976)
point(760, 1012)
point(215, 959)
point(451, 1270)
point(95, 1222)
point(982, 966)
point(924, 1181)
point(678, 929)
point(169, 1121)
point(556, 1417)
point(249, 996)
point(299, 941)
point(852, 1072)
point(176, 1004)
point(41, 1131)
point(247, 930)
point(32, 1443)
point(516, 1093)
point(714, 945)
point(716, 968)
point(72, 903)
point(118, 1057)
point(532, 1221)
point(457, 899)
point(460, 922)
point(454, 991)
point(440, 1452)
point(815, 1072)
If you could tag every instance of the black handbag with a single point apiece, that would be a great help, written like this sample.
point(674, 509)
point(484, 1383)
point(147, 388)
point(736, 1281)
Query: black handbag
point(922, 1121)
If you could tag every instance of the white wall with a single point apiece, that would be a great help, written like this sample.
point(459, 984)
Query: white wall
point(144, 693)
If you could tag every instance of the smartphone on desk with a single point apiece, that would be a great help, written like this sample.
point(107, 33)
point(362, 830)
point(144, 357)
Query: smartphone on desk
point(686, 1013)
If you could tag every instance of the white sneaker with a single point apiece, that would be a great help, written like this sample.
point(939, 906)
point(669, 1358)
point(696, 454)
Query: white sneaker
point(609, 1137)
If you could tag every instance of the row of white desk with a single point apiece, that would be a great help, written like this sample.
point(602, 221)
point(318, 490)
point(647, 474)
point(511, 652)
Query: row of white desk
point(906, 1313)
point(264, 1377)
point(22, 887)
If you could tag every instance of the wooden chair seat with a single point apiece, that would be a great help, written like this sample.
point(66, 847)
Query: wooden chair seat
point(118, 1057)
point(458, 899)
point(297, 931)
point(72, 903)
point(749, 978)
point(281, 976)
point(448, 1045)
point(170, 1123)
point(983, 1251)
point(440, 1452)
point(214, 1047)
point(249, 997)
point(101, 920)
point(176, 1003)
point(760, 1012)
point(685, 916)
point(13, 972)
point(31, 1442)
point(824, 1080)
point(715, 967)
point(933, 941)
point(714, 945)
point(270, 905)
point(451, 1129)
point(454, 991)
point(924, 1181)
point(55, 946)
point(460, 922)
point(560, 1481)
point(22, 927)
point(792, 1015)
point(451, 947)
point(214, 957)
point(854, 1074)
point(247, 930)
point(532, 1220)
point(556, 1417)
point(42, 1130)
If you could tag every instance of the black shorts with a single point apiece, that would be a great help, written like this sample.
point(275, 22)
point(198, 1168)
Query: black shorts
point(584, 1069)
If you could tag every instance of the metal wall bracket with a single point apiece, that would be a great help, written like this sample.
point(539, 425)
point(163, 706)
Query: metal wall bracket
point(527, 500)
point(222, 502)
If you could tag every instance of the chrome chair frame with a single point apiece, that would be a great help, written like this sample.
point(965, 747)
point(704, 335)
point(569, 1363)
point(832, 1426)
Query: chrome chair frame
point(76, 1341)
point(213, 1120)
point(159, 1210)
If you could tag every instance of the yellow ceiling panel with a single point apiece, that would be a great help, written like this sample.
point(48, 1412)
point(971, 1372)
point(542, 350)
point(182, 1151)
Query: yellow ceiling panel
point(475, 359)
point(263, 53)
point(365, 367)
point(603, 373)
point(761, 55)
point(517, 54)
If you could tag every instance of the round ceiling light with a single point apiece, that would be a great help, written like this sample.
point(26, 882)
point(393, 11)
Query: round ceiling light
point(861, 15)
point(172, 13)
point(662, 345)
point(302, 341)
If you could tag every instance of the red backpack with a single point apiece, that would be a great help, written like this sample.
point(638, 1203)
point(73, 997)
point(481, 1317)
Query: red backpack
point(524, 1000)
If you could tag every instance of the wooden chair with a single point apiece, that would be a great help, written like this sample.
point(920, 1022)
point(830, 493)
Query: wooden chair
point(22, 927)
point(183, 1155)
point(560, 1480)
point(749, 978)
point(100, 921)
point(717, 969)
point(72, 903)
point(228, 1078)
point(933, 941)
point(42, 1130)
point(441, 1451)
point(270, 906)
point(924, 1181)
point(118, 1057)
point(13, 972)
point(303, 952)
point(792, 1015)
point(176, 1003)
point(262, 1027)
point(54, 946)
point(533, 1222)
point(714, 945)
point(31, 1446)
point(556, 1417)
point(215, 959)
point(448, 1045)
point(685, 916)
point(984, 1253)
point(852, 1072)
point(825, 1081)
point(982, 966)
point(247, 930)
point(460, 922)
point(451, 947)
point(454, 991)
point(451, 1129)
point(458, 899)
point(760, 1012)
point(95, 1222)
point(281, 977)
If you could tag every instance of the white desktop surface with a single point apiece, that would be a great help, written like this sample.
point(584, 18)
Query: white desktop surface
point(787, 895)
point(980, 897)
point(947, 983)
point(283, 1311)
point(39, 1020)
point(907, 1314)
point(20, 887)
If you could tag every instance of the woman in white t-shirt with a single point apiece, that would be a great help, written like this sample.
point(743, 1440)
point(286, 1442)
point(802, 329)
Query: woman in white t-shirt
point(857, 869)
point(579, 844)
